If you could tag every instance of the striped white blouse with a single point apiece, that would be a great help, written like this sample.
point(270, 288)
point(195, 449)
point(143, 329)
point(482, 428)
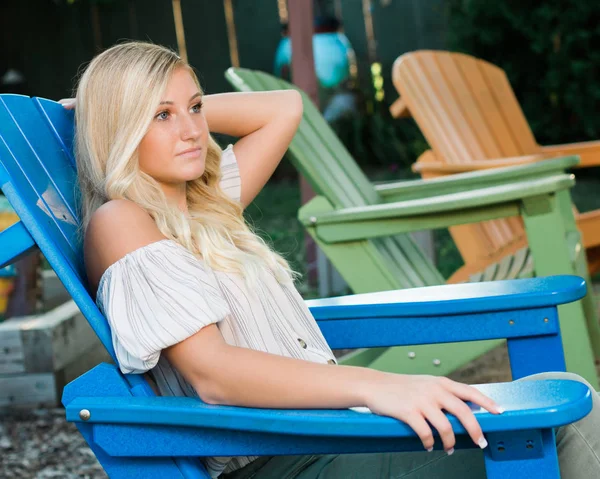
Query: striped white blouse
point(161, 294)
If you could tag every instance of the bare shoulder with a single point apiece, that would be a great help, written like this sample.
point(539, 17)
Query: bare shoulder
point(116, 228)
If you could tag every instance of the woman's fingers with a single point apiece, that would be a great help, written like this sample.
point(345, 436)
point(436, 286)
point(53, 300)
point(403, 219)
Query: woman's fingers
point(440, 422)
point(68, 103)
point(463, 413)
point(422, 402)
point(418, 424)
point(469, 393)
point(455, 404)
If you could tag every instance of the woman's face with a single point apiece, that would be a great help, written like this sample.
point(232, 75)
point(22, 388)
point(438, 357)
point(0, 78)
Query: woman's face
point(173, 151)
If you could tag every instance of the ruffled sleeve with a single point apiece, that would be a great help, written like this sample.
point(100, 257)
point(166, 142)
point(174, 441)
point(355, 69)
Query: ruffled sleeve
point(156, 297)
point(231, 182)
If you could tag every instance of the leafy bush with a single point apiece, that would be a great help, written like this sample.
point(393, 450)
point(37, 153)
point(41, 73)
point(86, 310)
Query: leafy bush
point(375, 139)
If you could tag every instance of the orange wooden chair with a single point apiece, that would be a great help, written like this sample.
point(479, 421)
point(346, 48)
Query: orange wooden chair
point(468, 112)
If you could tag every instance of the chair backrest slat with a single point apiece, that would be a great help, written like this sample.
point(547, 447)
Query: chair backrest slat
point(60, 122)
point(464, 106)
point(436, 123)
point(509, 108)
point(42, 188)
point(467, 111)
point(482, 105)
point(27, 138)
point(460, 78)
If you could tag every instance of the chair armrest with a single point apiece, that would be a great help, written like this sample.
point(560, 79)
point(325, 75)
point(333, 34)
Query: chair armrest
point(450, 313)
point(452, 299)
point(403, 190)
point(359, 223)
point(588, 151)
point(442, 168)
point(399, 109)
point(15, 243)
point(176, 426)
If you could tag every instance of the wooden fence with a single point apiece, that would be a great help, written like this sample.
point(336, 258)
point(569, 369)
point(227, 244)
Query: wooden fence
point(48, 40)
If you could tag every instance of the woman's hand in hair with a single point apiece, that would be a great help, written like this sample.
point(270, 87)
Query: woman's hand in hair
point(68, 103)
point(265, 122)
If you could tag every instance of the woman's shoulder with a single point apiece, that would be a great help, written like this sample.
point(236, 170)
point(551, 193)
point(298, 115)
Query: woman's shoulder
point(115, 230)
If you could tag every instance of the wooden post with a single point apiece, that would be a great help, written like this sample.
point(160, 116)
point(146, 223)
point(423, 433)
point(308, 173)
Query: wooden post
point(179, 30)
point(303, 62)
point(96, 30)
point(234, 55)
point(301, 26)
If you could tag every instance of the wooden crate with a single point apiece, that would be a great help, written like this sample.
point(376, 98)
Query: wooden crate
point(40, 354)
point(53, 292)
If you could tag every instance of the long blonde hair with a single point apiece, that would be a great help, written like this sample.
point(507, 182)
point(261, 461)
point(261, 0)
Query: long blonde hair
point(116, 100)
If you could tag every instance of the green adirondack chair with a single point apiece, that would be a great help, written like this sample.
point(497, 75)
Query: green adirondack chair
point(362, 229)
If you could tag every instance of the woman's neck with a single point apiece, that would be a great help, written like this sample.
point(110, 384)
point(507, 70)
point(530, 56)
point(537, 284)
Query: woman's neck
point(177, 196)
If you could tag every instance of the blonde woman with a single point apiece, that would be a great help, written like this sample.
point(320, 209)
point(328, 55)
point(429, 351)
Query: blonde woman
point(201, 304)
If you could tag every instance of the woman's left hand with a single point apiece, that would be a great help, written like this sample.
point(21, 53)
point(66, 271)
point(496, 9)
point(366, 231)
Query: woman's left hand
point(68, 103)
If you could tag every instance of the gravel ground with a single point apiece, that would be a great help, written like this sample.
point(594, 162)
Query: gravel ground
point(40, 444)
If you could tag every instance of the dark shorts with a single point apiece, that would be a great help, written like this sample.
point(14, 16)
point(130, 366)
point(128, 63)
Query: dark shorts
point(463, 464)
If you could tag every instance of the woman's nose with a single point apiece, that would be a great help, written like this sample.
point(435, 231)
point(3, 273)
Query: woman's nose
point(190, 127)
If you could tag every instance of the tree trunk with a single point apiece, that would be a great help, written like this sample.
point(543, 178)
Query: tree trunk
point(301, 27)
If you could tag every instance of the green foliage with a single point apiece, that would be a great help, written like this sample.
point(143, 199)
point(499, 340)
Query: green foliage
point(448, 258)
point(272, 215)
point(375, 139)
point(547, 50)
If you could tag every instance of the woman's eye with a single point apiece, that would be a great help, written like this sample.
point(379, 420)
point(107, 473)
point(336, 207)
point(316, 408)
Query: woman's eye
point(197, 108)
point(163, 115)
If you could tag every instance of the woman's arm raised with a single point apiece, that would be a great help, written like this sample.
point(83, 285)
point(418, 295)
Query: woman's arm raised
point(265, 122)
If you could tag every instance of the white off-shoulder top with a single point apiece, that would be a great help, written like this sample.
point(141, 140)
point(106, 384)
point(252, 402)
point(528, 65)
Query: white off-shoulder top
point(161, 294)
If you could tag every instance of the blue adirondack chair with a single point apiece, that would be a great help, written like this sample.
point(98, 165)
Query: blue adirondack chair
point(135, 434)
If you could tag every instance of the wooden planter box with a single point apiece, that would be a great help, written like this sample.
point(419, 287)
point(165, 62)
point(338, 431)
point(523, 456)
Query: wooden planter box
point(40, 354)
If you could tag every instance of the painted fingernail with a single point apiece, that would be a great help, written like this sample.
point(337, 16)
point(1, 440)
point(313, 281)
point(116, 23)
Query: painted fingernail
point(500, 409)
point(482, 442)
point(429, 449)
point(450, 451)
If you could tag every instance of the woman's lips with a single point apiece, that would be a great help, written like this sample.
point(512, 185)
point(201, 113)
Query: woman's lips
point(190, 153)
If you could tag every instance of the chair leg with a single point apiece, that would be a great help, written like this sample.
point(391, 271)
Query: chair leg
point(590, 307)
point(136, 467)
point(583, 266)
point(522, 455)
point(546, 233)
